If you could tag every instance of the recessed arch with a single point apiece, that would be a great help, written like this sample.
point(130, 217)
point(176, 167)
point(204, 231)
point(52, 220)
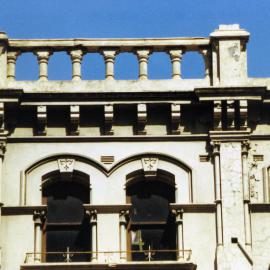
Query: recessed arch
point(48, 168)
point(118, 172)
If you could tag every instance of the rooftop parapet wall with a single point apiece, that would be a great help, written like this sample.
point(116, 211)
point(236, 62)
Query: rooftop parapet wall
point(224, 54)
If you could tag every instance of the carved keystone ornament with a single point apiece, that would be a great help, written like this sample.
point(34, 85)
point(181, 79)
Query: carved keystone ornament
point(150, 166)
point(66, 165)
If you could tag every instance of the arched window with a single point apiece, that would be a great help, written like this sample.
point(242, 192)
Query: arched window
point(67, 227)
point(151, 230)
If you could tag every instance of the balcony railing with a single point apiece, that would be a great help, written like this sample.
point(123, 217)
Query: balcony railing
point(108, 257)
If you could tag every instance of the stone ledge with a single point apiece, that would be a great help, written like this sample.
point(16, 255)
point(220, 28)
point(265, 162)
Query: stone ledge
point(164, 265)
point(259, 207)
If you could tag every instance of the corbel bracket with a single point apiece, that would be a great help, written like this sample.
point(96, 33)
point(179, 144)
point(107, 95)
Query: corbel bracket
point(141, 119)
point(108, 119)
point(74, 119)
point(41, 120)
point(175, 118)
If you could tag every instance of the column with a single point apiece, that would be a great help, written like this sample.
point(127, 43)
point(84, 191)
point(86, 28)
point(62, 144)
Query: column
point(11, 64)
point(245, 179)
point(76, 58)
point(143, 56)
point(176, 58)
point(109, 57)
point(93, 223)
point(179, 229)
point(43, 59)
point(123, 235)
point(216, 156)
point(38, 217)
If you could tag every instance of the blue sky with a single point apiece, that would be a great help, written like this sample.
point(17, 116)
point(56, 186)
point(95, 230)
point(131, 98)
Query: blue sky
point(136, 18)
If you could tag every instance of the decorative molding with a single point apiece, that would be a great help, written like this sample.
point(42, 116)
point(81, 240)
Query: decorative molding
point(175, 118)
point(52, 139)
point(41, 120)
point(108, 119)
point(74, 119)
point(150, 166)
point(217, 115)
point(141, 119)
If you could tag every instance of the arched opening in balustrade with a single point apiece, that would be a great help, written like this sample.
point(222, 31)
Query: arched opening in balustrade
point(26, 67)
point(60, 66)
point(93, 67)
point(151, 229)
point(159, 66)
point(126, 67)
point(193, 66)
point(67, 227)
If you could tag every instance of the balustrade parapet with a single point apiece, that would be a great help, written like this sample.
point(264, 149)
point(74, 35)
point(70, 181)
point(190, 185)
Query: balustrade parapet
point(223, 52)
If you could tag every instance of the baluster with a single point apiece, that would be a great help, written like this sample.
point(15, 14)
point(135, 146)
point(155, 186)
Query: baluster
point(43, 59)
point(11, 64)
point(176, 58)
point(206, 57)
point(76, 58)
point(143, 56)
point(109, 57)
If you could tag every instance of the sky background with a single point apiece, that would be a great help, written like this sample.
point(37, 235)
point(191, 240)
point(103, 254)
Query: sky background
point(134, 18)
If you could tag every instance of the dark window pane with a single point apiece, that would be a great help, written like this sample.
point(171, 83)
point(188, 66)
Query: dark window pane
point(65, 210)
point(152, 227)
point(150, 201)
point(67, 226)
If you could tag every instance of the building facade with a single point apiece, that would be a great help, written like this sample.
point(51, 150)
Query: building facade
point(143, 174)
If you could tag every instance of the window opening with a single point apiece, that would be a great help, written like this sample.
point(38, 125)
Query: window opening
point(152, 231)
point(67, 227)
